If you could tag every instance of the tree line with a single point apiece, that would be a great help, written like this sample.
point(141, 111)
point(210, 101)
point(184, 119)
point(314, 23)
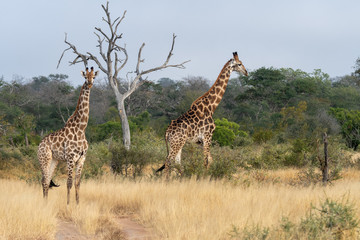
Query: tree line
point(270, 104)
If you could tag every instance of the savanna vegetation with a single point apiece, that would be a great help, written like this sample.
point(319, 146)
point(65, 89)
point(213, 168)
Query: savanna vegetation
point(269, 125)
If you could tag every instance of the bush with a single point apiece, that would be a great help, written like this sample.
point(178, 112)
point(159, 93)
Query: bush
point(299, 151)
point(146, 148)
point(333, 220)
point(222, 168)
point(128, 162)
point(262, 135)
point(349, 121)
point(271, 157)
point(192, 160)
point(104, 131)
point(97, 160)
point(227, 132)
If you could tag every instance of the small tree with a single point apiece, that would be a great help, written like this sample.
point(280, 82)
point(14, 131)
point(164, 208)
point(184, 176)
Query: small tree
point(349, 121)
point(111, 64)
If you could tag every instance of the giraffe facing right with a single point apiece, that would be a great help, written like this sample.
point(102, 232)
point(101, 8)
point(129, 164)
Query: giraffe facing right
point(197, 124)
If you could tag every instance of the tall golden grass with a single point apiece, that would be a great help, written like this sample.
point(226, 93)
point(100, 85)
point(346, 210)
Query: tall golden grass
point(184, 209)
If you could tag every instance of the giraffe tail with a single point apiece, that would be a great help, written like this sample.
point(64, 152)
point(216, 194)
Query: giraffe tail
point(167, 150)
point(161, 168)
point(52, 184)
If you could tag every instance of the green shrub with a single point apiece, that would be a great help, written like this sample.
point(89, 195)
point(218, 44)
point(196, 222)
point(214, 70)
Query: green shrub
point(300, 150)
point(192, 160)
point(97, 158)
point(262, 135)
point(146, 148)
point(128, 162)
point(222, 168)
point(332, 220)
point(272, 157)
point(227, 132)
point(104, 131)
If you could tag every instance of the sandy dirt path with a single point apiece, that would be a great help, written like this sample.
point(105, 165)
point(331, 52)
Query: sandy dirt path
point(69, 231)
point(132, 231)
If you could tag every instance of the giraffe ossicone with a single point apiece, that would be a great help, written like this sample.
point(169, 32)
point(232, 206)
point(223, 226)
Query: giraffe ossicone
point(68, 144)
point(197, 124)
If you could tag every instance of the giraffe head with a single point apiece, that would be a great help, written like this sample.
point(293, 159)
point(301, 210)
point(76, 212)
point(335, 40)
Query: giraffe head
point(89, 76)
point(237, 65)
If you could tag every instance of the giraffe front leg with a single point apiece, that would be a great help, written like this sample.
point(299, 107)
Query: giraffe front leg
point(79, 166)
point(70, 166)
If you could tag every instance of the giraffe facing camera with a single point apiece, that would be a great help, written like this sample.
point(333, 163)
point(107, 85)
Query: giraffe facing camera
point(197, 124)
point(68, 144)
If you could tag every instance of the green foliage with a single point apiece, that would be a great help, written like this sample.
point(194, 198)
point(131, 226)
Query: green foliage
point(192, 161)
point(106, 130)
point(270, 158)
point(112, 115)
point(147, 148)
point(227, 132)
point(262, 135)
point(349, 121)
point(97, 160)
point(113, 129)
point(293, 122)
point(332, 219)
point(141, 122)
point(224, 164)
point(300, 150)
point(128, 162)
point(250, 233)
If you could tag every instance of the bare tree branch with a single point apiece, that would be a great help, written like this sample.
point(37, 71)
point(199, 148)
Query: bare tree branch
point(165, 65)
point(62, 57)
point(120, 20)
point(102, 33)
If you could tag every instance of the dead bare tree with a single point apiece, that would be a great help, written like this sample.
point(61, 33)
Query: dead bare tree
point(111, 64)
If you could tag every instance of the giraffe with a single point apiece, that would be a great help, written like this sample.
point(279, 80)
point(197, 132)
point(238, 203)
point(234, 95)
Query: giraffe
point(69, 143)
point(197, 124)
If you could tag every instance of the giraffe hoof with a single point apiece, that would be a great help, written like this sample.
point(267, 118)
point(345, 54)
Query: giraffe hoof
point(52, 184)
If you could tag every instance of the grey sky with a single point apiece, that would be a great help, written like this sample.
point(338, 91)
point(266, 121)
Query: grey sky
point(306, 35)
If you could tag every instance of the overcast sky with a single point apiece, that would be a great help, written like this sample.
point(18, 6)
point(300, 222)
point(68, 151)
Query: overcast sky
point(306, 35)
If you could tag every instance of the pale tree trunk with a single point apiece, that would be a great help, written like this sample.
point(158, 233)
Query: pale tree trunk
point(26, 140)
point(124, 124)
point(111, 64)
point(325, 167)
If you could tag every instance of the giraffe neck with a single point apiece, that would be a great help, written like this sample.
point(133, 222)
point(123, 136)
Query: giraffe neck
point(212, 98)
point(80, 117)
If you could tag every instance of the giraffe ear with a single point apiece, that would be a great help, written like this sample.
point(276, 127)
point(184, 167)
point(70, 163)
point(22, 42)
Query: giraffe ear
point(96, 73)
point(83, 74)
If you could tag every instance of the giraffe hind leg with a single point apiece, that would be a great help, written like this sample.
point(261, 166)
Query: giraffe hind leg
point(45, 159)
point(174, 155)
point(79, 166)
point(54, 163)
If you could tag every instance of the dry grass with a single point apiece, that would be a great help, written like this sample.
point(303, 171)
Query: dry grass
point(186, 209)
point(24, 214)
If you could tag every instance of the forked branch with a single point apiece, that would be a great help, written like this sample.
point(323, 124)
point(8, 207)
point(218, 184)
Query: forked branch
point(114, 57)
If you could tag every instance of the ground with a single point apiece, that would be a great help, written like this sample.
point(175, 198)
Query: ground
point(130, 230)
